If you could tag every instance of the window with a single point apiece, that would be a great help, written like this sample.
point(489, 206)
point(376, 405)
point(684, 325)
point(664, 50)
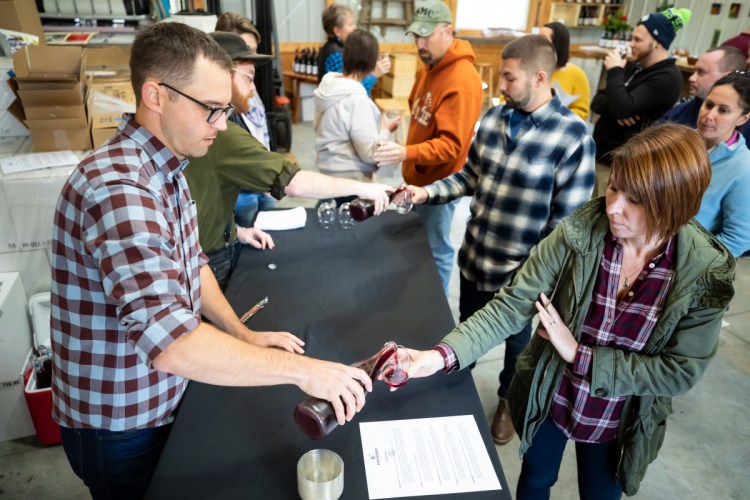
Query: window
point(477, 14)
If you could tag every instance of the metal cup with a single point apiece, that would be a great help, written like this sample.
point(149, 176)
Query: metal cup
point(320, 475)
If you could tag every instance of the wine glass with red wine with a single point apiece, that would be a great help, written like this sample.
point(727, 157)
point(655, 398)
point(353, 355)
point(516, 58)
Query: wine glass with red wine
point(395, 369)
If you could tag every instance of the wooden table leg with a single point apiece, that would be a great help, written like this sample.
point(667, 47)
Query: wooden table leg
point(295, 111)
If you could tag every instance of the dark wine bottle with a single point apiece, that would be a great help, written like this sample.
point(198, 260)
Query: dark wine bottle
point(316, 418)
point(362, 209)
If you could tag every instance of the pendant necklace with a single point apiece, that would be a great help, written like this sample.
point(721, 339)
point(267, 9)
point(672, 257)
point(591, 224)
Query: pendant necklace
point(626, 283)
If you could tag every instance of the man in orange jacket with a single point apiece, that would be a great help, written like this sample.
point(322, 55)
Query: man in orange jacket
point(445, 104)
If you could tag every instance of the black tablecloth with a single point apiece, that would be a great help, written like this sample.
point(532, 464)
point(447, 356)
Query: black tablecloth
point(345, 293)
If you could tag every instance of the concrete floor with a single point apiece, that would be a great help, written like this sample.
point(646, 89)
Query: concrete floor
point(706, 453)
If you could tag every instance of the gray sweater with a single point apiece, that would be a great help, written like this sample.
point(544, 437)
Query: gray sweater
point(346, 127)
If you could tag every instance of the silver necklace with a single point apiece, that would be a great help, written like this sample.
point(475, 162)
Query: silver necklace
point(626, 283)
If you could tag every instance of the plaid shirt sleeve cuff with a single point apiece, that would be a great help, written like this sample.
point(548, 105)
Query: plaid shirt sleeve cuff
point(582, 361)
point(449, 356)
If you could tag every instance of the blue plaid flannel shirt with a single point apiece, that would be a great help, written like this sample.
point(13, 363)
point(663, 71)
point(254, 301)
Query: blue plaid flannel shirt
point(521, 187)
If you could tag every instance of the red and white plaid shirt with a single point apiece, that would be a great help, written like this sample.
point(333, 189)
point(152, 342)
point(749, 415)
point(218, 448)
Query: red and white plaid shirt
point(125, 283)
point(624, 325)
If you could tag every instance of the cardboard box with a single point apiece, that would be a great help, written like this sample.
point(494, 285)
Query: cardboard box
point(21, 15)
point(101, 135)
point(48, 63)
point(15, 421)
point(403, 65)
point(397, 86)
point(57, 135)
point(116, 84)
point(106, 111)
point(38, 400)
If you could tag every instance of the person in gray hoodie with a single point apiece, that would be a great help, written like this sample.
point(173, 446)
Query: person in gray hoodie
point(347, 123)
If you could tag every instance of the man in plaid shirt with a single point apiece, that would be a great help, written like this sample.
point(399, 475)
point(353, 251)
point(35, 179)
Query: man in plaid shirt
point(530, 165)
point(130, 282)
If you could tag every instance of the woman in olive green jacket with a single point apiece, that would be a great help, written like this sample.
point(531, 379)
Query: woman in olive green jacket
point(650, 173)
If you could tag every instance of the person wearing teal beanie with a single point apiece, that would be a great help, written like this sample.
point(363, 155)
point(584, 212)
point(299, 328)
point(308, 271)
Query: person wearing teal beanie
point(639, 90)
point(663, 26)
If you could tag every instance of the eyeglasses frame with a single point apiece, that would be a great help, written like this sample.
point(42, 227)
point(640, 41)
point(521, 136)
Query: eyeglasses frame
point(214, 113)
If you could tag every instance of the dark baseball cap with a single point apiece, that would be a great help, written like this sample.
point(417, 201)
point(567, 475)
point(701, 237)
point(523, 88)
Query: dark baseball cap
point(235, 46)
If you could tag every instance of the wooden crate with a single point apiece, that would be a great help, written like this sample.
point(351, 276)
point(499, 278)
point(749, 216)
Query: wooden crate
point(397, 86)
point(403, 65)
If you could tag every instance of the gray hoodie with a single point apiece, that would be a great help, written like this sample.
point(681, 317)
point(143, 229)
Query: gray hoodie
point(347, 126)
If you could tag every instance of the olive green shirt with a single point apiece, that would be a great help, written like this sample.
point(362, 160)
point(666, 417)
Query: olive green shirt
point(236, 160)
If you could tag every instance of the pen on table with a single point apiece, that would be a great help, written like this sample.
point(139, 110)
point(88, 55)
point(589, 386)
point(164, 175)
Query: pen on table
point(251, 312)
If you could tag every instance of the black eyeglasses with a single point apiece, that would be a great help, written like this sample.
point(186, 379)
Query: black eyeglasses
point(214, 114)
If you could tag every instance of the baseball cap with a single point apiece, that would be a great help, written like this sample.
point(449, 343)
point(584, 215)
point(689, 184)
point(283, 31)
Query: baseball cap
point(235, 46)
point(428, 16)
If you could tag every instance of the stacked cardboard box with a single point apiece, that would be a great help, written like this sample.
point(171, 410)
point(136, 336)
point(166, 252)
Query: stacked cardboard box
point(400, 79)
point(110, 95)
point(52, 91)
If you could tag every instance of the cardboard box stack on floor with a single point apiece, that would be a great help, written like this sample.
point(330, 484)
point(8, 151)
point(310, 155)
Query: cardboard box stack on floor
point(52, 90)
point(110, 95)
point(400, 79)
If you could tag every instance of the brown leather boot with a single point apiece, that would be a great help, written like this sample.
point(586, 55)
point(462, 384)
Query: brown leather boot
point(502, 426)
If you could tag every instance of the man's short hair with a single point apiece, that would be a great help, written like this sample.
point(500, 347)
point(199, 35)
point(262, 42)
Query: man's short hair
point(360, 52)
point(167, 53)
point(535, 53)
point(657, 167)
point(235, 23)
point(732, 60)
point(334, 16)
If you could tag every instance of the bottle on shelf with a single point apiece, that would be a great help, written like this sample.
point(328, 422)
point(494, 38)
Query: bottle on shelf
point(314, 69)
point(316, 418)
point(362, 209)
point(296, 60)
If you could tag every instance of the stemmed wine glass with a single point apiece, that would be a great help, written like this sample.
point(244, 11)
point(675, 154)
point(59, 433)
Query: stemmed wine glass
point(394, 371)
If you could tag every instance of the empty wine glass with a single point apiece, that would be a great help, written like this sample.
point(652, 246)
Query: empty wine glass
point(327, 213)
point(345, 216)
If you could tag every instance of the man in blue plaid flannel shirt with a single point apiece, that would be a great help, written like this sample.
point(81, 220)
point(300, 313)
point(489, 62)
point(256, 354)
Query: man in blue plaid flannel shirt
point(530, 165)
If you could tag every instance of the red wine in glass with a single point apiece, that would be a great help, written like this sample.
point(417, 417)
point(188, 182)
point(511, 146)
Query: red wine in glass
point(395, 377)
point(316, 418)
point(362, 209)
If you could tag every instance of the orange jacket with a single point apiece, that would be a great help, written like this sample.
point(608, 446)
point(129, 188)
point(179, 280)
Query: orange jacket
point(445, 104)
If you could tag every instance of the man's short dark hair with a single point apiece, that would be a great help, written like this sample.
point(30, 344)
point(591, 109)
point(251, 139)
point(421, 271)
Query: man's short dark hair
point(167, 52)
point(360, 53)
point(535, 53)
point(732, 60)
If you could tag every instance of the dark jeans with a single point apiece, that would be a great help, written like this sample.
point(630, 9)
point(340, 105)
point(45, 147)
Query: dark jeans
point(114, 465)
point(223, 261)
point(597, 466)
point(472, 300)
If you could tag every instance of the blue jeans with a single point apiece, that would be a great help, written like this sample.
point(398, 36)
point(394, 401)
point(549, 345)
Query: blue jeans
point(472, 300)
point(114, 464)
point(437, 222)
point(223, 261)
point(248, 205)
point(597, 466)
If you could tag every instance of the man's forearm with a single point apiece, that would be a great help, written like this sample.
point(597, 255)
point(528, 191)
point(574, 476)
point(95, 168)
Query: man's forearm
point(215, 307)
point(308, 184)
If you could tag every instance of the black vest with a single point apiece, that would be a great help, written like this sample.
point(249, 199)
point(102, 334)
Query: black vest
point(333, 45)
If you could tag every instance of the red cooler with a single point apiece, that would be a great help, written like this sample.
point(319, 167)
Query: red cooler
point(40, 400)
